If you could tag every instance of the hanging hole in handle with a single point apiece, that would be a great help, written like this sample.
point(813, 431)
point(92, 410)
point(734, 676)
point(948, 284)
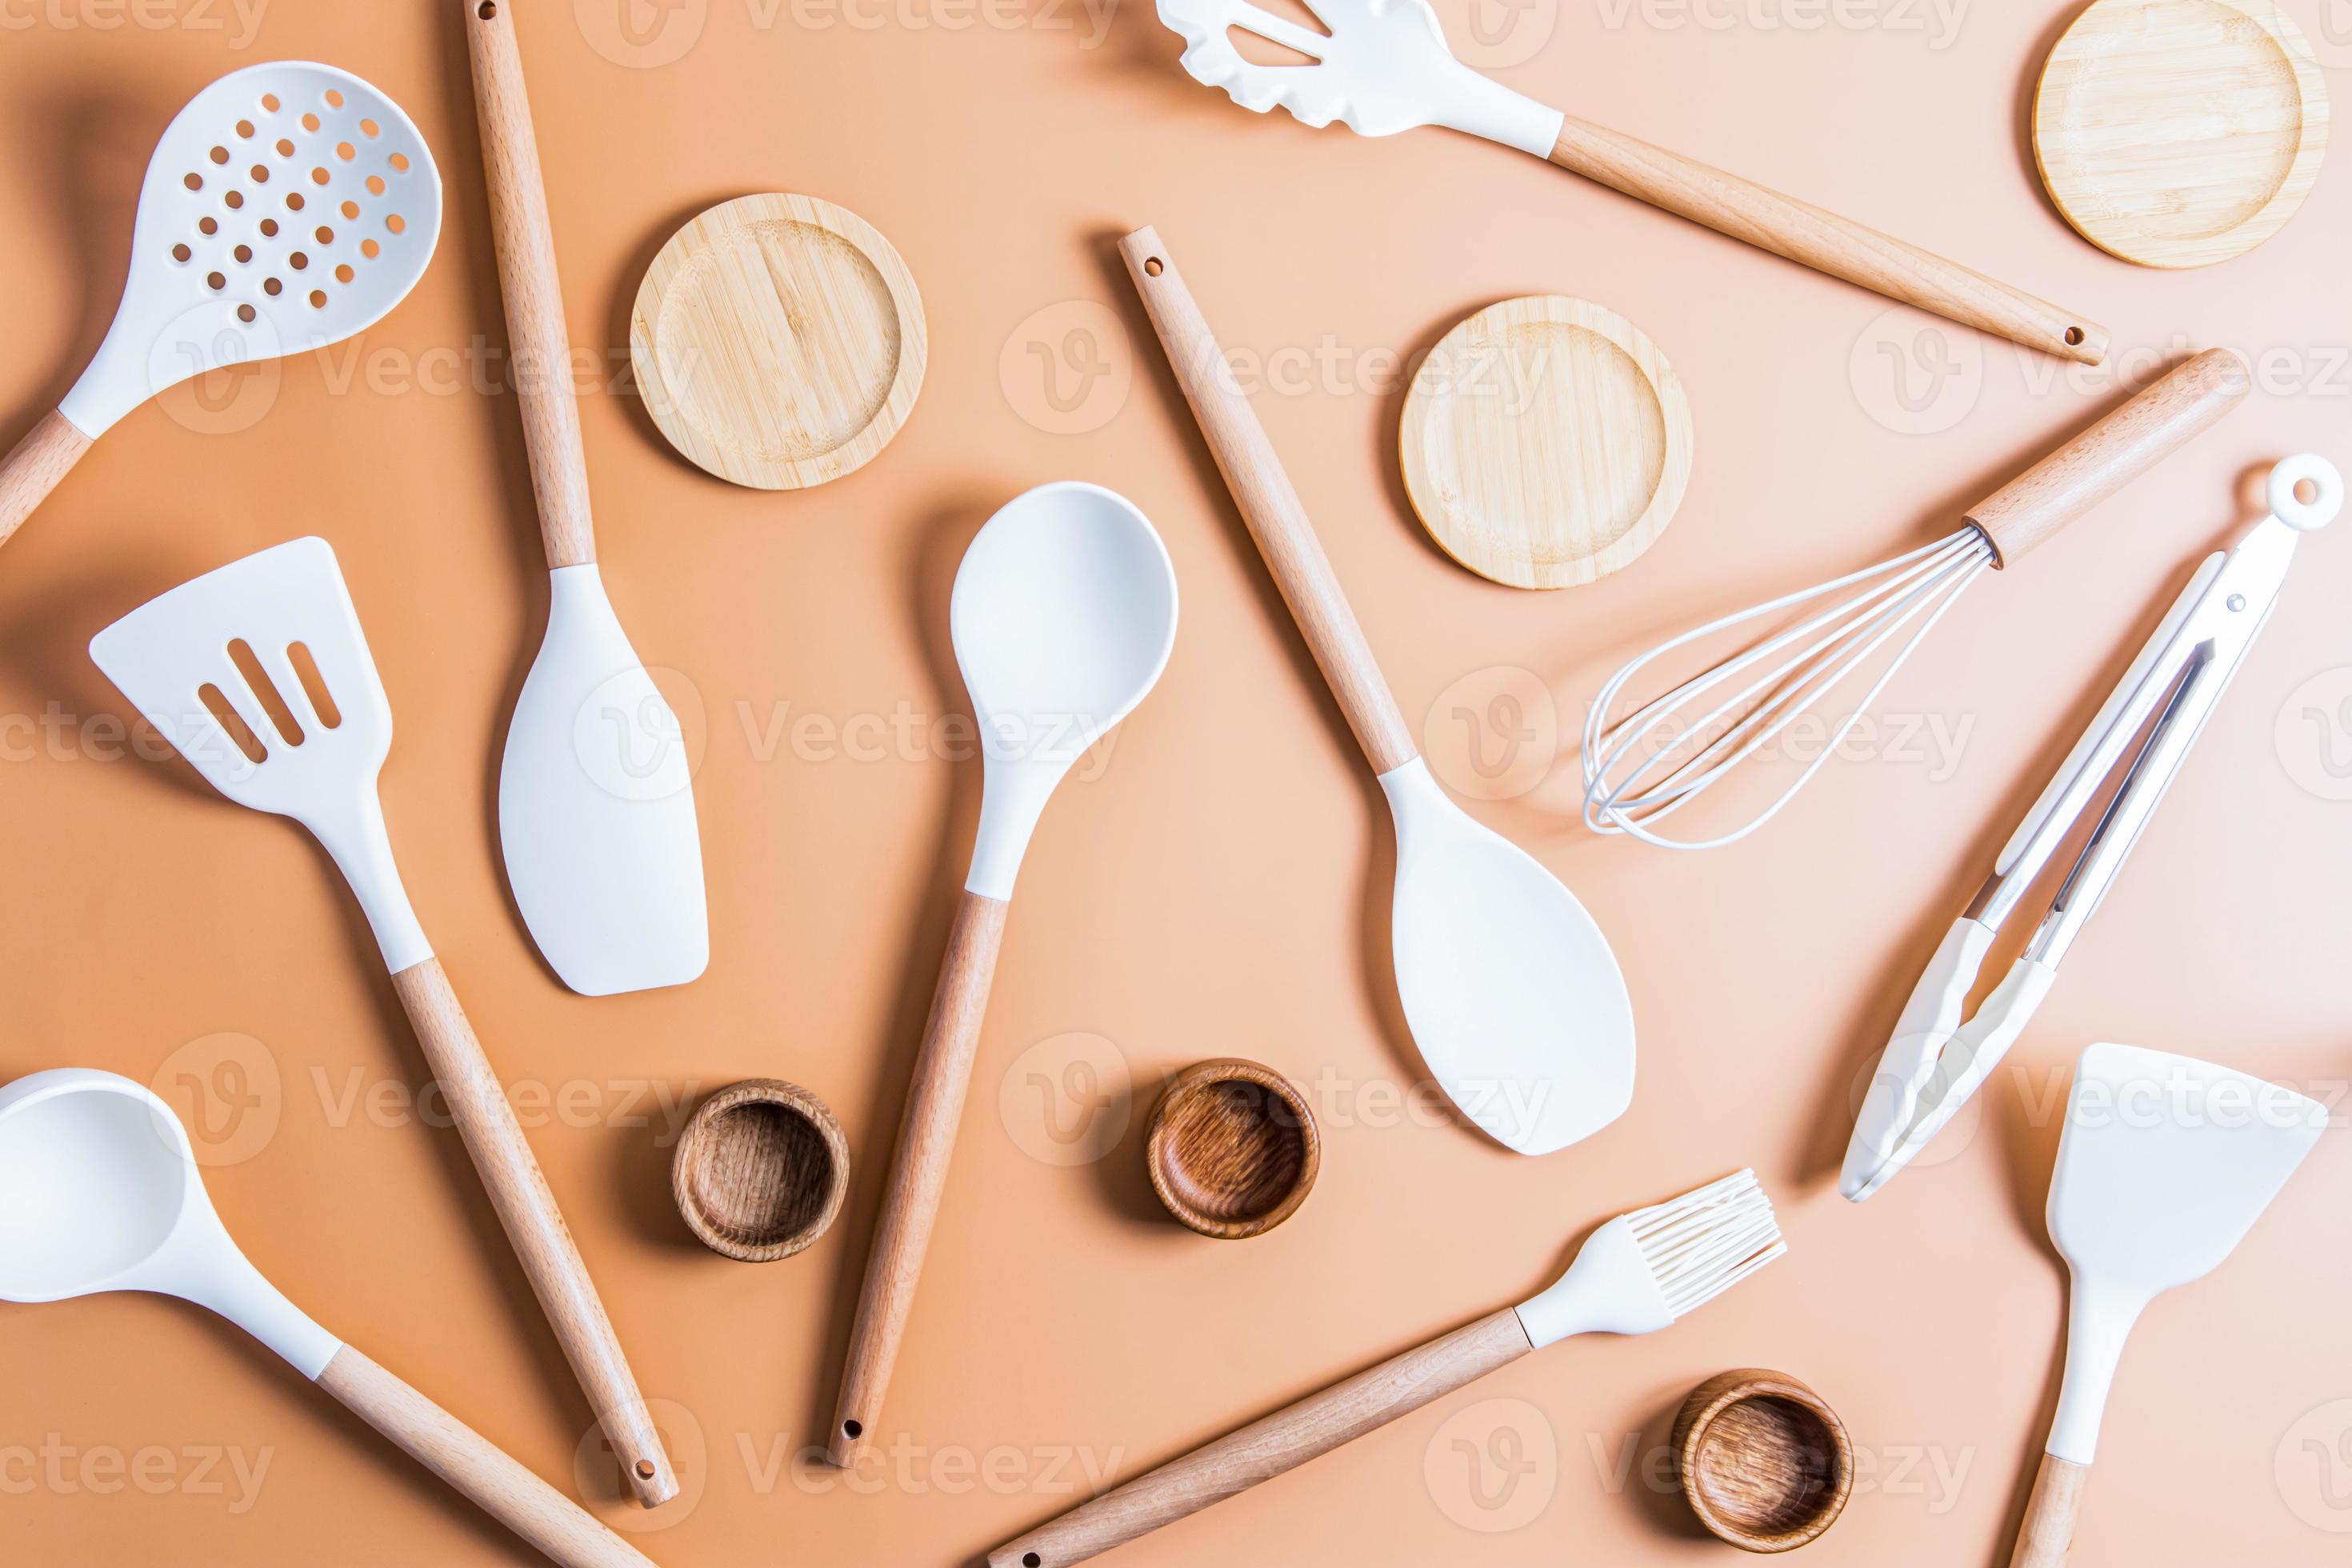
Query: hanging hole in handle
point(487, 10)
point(2306, 492)
point(2074, 336)
point(644, 1470)
point(1153, 266)
point(1031, 1559)
point(853, 1430)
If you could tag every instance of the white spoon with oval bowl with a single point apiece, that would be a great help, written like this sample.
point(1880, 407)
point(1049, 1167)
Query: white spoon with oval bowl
point(99, 1192)
point(1511, 992)
point(1063, 616)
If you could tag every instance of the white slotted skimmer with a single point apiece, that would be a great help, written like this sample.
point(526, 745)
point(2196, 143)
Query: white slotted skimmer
point(289, 206)
point(259, 674)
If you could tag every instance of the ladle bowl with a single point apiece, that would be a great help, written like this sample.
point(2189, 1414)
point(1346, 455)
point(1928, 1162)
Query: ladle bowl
point(99, 1192)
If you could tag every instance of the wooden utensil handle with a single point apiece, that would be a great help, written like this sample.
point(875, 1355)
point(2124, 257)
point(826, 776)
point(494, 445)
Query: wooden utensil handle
point(2112, 452)
point(918, 1170)
point(1823, 241)
point(1269, 505)
point(2049, 1518)
point(539, 350)
point(28, 475)
point(535, 1227)
point(474, 1466)
point(1279, 1443)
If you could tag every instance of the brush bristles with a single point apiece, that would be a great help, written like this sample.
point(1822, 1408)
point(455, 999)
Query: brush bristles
point(1704, 1243)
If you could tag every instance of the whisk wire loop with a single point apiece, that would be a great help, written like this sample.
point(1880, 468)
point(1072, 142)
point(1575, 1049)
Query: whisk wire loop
point(1674, 760)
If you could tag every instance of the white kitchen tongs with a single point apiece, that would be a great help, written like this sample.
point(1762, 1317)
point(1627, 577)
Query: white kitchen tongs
point(1938, 1057)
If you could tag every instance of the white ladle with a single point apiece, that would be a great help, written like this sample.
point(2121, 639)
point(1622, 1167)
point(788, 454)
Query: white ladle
point(1063, 616)
point(1508, 986)
point(98, 1193)
point(289, 206)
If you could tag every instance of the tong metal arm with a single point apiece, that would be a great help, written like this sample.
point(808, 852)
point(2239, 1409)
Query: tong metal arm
point(1939, 1057)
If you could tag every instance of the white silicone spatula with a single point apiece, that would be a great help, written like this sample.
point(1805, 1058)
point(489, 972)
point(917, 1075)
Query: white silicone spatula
point(1383, 67)
point(2165, 1164)
point(596, 795)
point(1511, 991)
point(259, 674)
point(289, 206)
point(1062, 617)
point(99, 1191)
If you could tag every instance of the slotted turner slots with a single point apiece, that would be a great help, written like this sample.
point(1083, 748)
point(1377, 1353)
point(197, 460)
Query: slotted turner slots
point(279, 638)
point(265, 691)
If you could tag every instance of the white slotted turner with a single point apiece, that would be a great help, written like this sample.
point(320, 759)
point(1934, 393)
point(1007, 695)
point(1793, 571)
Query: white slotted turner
point(259, 674)
point(289, 206)
point(1385, 66)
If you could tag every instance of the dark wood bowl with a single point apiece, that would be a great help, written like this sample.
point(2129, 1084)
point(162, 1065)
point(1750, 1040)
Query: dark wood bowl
point(762, 1171)
point(1765, 1464)
point(1233, 1149)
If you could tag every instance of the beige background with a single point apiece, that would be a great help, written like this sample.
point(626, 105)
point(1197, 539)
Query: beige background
point(1219, 888)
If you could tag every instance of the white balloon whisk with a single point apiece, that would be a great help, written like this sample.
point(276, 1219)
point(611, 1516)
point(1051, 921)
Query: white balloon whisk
point(1642, 769)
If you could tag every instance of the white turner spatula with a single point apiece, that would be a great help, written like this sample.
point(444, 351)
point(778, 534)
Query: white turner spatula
point(596, 813)
point(259, 674)
point(2164, 1166)
point(288, 208)
point(1383, 67)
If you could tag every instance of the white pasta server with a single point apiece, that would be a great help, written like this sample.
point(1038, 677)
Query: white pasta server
point(1383, 67)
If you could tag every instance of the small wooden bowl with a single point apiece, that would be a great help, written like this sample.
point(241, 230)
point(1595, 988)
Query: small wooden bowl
point(762, 1171)
point(1233, 1149)
point(1765, 1464)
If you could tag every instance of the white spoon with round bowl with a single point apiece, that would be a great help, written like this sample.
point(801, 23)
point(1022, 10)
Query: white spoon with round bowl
point(98, 1193)
point(1063, 616)
point(1511, 992)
